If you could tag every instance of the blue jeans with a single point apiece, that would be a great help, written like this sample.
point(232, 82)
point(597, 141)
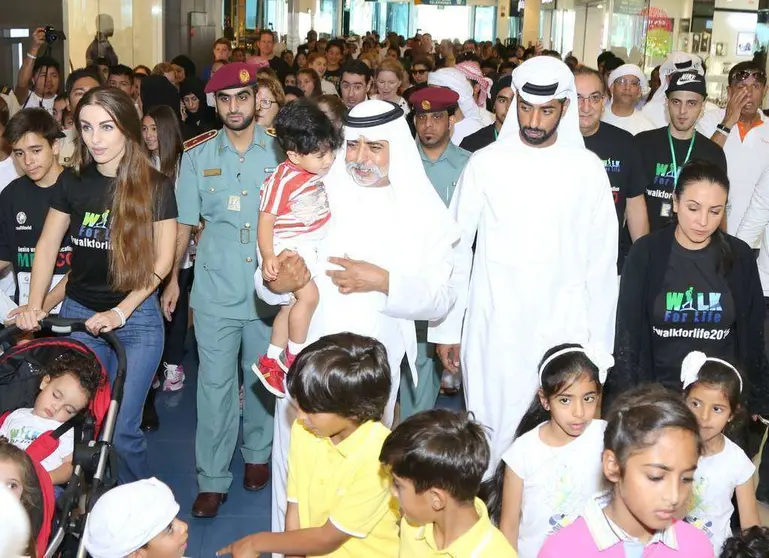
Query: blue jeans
point(142, 337)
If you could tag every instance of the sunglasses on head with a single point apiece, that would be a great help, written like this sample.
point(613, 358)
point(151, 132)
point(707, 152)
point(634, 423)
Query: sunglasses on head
point(742, 75)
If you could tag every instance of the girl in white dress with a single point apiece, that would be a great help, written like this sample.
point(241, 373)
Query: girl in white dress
point(554, 464)
point(713, 389)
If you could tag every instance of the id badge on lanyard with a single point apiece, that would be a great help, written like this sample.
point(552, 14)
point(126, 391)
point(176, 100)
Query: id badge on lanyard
point(667, 207)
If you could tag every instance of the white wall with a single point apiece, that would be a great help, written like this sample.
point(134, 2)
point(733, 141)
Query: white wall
point(138, 35)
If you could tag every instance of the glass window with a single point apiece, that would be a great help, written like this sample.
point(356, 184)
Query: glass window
point(326, 16)
point(443, 22)
point(485, 23)
point(136, 32)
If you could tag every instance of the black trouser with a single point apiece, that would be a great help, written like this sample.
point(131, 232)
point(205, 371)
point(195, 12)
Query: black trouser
point(176, 329)
point(757, 431)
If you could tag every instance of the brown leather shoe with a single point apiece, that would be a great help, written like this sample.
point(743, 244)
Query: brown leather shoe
point(256, 476)
point(207, 504)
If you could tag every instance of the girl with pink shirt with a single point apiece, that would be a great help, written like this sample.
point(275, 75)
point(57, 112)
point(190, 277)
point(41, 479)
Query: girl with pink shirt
point(651, 447)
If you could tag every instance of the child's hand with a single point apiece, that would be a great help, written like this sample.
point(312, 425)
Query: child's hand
point(270, 268)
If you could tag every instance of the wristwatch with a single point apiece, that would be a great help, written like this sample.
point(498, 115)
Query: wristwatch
point(723, 129)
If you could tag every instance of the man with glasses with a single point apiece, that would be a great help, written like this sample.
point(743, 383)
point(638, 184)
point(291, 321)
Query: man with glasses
point(420, 67)
point(626, 84)
point(501, 96)
point(622, 162)
point(665, 150)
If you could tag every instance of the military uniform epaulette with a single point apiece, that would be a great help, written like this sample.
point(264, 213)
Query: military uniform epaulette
point(197, 140)
point(271, 132)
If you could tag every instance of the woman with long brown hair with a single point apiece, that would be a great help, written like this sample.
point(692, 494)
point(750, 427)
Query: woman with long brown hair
point(120, 214)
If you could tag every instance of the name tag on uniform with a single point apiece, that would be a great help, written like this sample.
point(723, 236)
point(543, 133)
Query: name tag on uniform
point(666, 209)
point(212, 172)
point(233, 203)
point(269, 170)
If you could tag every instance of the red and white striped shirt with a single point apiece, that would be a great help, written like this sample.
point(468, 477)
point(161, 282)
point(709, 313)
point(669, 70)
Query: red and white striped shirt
point(297, 198)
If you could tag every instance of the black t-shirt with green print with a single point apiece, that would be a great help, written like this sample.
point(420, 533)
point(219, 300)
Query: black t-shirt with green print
point(657, 164)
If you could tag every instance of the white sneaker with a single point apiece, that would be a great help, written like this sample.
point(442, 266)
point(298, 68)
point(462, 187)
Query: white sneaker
point(174, 377)
point(450, 383)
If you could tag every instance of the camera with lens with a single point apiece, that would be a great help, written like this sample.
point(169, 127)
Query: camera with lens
point(52, 35)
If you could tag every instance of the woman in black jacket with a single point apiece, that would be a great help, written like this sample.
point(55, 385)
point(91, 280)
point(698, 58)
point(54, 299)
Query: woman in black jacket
point(691, 286)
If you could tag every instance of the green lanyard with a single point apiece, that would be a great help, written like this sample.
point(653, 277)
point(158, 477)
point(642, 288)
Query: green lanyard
point(676, 170)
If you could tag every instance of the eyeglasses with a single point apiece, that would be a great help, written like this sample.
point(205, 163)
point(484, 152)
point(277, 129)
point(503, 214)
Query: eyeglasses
point(415, 72)
point(593, 99)
point(759, 75)
point(266, 103)
point(628, 81)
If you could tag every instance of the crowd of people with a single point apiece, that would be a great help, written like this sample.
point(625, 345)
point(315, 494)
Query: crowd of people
point(358, 225)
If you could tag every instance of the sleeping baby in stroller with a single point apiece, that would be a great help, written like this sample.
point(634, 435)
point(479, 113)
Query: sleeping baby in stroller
point(68, 384)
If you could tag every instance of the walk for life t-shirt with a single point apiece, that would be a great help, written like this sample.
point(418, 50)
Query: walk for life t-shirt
point(659, 172)
point(715, 480)
point(23, 209)
point(557, 482)
point(87, 199)
point(622, 162)
point(22, 428)
point(693, 312)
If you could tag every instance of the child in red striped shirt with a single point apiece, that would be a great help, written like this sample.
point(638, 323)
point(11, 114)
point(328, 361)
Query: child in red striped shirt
point(293, 215)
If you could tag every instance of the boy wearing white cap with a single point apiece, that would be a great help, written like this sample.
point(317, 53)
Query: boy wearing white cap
point(626, 84)
point(136, 520)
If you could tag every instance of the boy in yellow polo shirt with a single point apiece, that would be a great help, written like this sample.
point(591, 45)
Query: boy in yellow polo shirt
point(339, 498)
point(437, 459)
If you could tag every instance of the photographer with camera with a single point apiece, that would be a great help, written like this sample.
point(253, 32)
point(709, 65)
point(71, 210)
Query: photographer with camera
point(38, 81)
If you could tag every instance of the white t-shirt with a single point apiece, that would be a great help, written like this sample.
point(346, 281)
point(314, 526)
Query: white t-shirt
point(33, 101)
point(8, 174)
point(634, 123)
point(557, 482)
point(328, 88)
point(487, 117)
point(22, 428)
point(716, 479)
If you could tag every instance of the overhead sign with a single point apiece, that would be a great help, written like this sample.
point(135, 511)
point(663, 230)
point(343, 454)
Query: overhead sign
point(441, 2)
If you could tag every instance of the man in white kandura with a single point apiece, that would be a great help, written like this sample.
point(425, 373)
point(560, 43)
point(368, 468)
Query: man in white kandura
point(390, 253)
point(544, 270)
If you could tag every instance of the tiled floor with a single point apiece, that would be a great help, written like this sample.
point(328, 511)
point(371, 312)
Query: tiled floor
point(172, 459)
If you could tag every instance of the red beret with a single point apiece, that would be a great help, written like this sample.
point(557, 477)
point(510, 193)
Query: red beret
point(433, 99)
point(232, 75)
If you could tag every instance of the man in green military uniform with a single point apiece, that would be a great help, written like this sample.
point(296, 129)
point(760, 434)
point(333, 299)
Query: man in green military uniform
point(219, 182)
point(443, 162)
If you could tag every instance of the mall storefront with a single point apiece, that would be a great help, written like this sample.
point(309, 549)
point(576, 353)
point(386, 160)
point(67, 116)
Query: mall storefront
point(722, 32)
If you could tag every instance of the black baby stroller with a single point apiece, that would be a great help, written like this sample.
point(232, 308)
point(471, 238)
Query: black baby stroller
point(94, 457)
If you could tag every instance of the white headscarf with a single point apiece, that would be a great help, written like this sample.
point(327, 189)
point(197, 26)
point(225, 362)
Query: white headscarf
point(654, 110)
point(540, 80)
point(629, 70)
point(14, 525)
point(128, 517)
point(423, 218)
point(456, 81)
